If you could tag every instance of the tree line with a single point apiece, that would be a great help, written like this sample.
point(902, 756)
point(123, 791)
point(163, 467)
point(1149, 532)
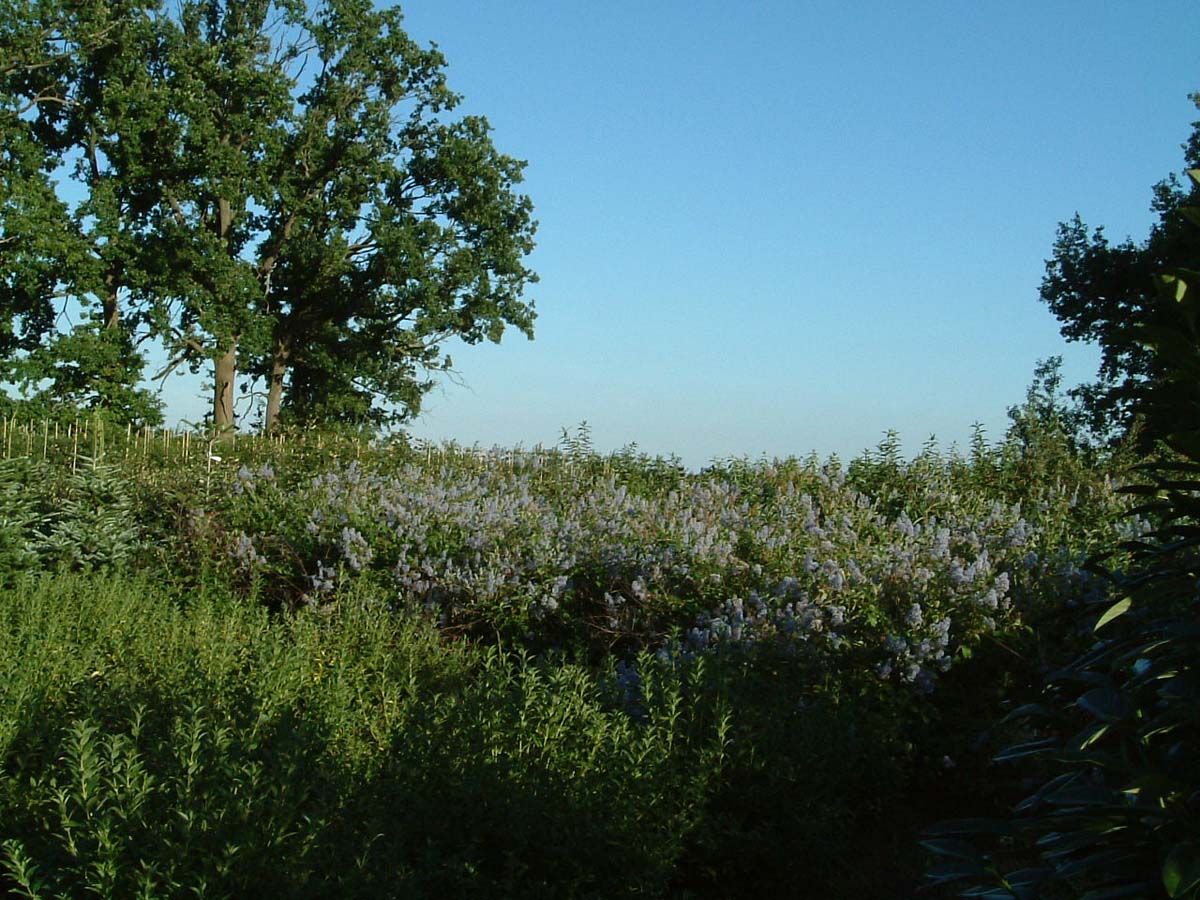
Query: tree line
point(277, 191)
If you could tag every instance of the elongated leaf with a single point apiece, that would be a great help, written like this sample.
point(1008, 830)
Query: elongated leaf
point(1105, 704)
point(955, 848)
point(1025, 877)
point(1103, 861)
point(1059, 843)
point(1181, 871)
point(956, 869)
point(990, 893)
point(1088, 736)
point(969, 827)
point(1117, 609)
point(1082, 794)
point(1029, 710)
point(1028, 748)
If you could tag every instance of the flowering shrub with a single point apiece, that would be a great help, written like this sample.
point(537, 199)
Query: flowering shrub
point(794, 556)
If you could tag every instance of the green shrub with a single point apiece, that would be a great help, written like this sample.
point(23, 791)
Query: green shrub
point(154, 749)
point(1115, 741)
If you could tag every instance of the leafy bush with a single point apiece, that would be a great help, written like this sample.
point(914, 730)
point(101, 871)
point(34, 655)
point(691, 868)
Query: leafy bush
point(1117, 736)
point(55, 518)
point(148, 750)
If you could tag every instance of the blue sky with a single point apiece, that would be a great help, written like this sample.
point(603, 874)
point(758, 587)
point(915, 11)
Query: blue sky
point(779, 227)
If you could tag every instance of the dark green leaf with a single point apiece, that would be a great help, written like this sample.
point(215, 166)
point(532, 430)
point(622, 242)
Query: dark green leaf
point(1181, 871)
point(969, 827)
point(1028, 748)
point(955, 848)
point(1105, 704)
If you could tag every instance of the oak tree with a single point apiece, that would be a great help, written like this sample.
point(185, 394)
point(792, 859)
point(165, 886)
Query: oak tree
point(272, 186)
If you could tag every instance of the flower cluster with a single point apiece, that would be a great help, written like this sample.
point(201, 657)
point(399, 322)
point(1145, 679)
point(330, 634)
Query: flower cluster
point(794, 557)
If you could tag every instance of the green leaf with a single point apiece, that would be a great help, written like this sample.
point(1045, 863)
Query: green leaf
point(1027, 748)
point(1181, 871)
point(1082, 794)
point(1088, 736)
point(1103, 861)
point(955, 848)
point(1171, 287)
point(1059, 843)
point(1105, 704)
point(969, 827)
point(1117, 609)
point(956, 869)
point(1029, 710)
point(990, 893)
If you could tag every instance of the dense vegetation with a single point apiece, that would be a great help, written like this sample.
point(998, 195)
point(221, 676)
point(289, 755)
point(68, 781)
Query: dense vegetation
point(329, 665)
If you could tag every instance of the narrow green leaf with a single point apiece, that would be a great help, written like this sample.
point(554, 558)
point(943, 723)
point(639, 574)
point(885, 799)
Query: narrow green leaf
point(969, 827)
point(1029, 710)
point(1105, 704)
point(1181, 871)
point(1088, 736)
point(956, 869)
point(954, 848)
point(1117, 609)
point(1028, 748)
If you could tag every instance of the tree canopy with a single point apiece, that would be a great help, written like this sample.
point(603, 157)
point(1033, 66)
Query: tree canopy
point(276, 189)
point(1106, 293)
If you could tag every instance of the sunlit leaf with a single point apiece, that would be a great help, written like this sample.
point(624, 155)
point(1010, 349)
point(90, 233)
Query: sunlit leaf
point(1117, 609)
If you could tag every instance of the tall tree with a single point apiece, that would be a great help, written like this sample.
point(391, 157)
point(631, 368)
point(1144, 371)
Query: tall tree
point(74, 97)
point(228, 84)
point(267, 185)
point(355, 230)
point(390, 229)
point(407, 230)
point(1105, 293)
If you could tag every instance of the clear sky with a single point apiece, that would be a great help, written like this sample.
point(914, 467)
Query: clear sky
point(779, 227)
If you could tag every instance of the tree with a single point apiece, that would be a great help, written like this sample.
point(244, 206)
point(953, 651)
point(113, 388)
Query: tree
point(69, 98)
point(1105, 293)
point(391, 230)
point(271, 186)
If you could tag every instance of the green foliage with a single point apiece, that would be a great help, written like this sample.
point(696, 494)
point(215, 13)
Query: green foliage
point(20, 518)
point(151, 751)
point(74, 82)
point(1118, 733)
point(367, 744)
point(75, 520)
point(275, 186)
point(1104, 293)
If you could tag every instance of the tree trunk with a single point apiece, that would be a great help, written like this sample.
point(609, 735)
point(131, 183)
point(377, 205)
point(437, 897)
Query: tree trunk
point(224, 375)
point(111, 309)
point(280, 355)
